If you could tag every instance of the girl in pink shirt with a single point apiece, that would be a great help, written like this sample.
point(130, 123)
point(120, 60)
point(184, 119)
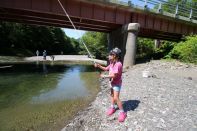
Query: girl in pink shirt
point(115, 76)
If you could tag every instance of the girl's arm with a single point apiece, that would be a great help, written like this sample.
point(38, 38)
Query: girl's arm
point(101, 67)
point(109, 76)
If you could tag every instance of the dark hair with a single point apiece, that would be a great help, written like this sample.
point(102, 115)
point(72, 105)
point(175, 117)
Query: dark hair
point(116, 51)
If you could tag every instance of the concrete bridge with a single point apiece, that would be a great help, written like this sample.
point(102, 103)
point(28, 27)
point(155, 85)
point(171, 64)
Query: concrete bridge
point(123, 21)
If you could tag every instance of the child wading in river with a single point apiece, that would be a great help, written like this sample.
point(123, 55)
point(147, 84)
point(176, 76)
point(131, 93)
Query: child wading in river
point(115, 76)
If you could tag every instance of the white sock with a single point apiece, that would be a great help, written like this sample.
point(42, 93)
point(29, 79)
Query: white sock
point(112, 106)
point(122, 110)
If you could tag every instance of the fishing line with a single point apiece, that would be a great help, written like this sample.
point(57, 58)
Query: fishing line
point(76, 30)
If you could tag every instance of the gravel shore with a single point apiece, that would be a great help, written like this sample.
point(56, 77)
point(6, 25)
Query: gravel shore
point(165, 101)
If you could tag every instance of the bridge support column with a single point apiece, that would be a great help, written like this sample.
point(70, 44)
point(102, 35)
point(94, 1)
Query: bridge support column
point(125, 39)
point(117, 38)
point(157, 43)
point(129, 58)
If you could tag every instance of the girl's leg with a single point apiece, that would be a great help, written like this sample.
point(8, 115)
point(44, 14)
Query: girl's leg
point(117, 100)
point(112, 109)
point(112, 98)
point(122, 114)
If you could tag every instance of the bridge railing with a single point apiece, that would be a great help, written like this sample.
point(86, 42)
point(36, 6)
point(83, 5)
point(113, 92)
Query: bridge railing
point(163, 7)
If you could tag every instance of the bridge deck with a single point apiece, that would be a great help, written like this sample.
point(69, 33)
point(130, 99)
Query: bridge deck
point(95, 15)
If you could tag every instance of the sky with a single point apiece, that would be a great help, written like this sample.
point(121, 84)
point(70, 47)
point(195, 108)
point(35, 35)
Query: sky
point(77, 34)
point(73, 33)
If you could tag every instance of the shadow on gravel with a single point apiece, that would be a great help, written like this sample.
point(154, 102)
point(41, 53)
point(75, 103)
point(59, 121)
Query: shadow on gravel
point(130, 105)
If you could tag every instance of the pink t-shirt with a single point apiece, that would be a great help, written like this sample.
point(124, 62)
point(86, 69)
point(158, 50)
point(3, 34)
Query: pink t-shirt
point(116, 69)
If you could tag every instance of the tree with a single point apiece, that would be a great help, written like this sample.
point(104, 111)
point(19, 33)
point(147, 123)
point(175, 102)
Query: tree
point(96, 43)
point(186, 51)
point(145, 48)
point(184, 7)
point(24, 40)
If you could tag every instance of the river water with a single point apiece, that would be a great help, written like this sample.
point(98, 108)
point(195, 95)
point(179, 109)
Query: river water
point(44, 96)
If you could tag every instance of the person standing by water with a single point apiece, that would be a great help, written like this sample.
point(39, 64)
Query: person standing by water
point(115, 76)
point(37, 53)
point(44, 54)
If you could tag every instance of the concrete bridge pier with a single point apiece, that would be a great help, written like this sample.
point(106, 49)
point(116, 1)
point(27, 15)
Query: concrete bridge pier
point(125, 38)
point(129, 58)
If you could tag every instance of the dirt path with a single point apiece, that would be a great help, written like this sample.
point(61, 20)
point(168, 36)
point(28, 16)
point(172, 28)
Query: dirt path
point(167, 100)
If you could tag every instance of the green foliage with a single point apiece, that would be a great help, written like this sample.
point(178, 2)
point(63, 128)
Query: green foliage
point(145, 48)
point(24, 40)
point(164, 49)
point(96, 43)
point(186, 51)
point(184, 7)
point(76, 45)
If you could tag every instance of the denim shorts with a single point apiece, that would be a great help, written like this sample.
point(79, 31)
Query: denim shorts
point(116, 88)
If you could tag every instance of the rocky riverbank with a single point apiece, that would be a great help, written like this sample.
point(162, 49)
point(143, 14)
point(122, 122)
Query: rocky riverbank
point(165, 100)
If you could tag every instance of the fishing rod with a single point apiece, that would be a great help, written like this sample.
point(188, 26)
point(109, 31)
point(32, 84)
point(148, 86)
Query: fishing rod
point(76, 30)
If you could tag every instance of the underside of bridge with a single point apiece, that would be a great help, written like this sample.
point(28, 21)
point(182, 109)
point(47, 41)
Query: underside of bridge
point(91, 16)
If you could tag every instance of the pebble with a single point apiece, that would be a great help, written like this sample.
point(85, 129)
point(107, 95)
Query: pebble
point(167, 103)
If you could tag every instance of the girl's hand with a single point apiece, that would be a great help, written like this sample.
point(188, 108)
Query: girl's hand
point(102, 76)
point(96, 65)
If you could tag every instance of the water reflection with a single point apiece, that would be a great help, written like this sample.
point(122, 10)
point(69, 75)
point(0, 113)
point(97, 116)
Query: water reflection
point(28, 98)
point(26, 83)
point(44, 67)
point(70, 86)
point(37, 63)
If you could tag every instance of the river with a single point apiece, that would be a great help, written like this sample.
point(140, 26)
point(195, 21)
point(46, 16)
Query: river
point(44, 96)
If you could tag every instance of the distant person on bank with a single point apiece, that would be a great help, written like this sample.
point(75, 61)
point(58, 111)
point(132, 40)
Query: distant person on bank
point(37, 53)
point(44, 54)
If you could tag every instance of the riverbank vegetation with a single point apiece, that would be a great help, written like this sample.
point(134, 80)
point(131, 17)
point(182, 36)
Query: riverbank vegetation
point(23, 40)
point(185, 50)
